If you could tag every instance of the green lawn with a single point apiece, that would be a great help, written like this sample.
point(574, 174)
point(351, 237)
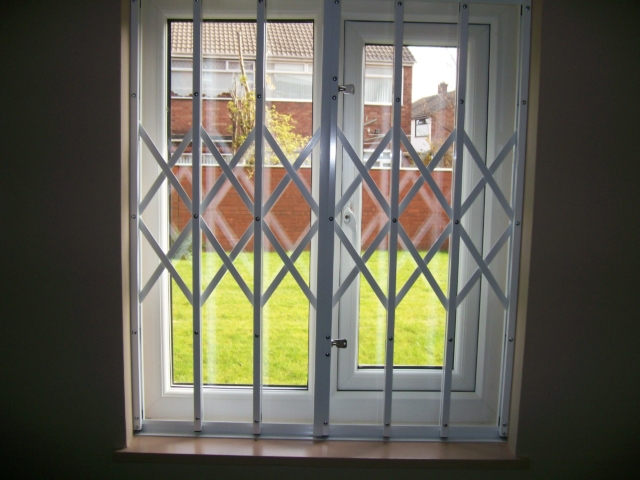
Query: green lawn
point(227, 322)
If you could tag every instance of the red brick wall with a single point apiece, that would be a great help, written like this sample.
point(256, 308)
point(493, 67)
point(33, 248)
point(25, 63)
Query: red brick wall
point(215, 115)
point(228, 217)
point(407, 100)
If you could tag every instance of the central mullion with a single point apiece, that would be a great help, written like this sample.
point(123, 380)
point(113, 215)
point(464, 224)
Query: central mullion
point(393, 212)
point(261, 38)
point(454, 259)
point(196, 195)
point(326, 205)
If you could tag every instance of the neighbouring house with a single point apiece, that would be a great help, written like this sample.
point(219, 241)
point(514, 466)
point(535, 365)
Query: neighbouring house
point(289, 72)
point(432, 119)
point(289, 81)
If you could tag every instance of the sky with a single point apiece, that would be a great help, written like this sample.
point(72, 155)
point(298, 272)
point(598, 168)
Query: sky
point(434, 65)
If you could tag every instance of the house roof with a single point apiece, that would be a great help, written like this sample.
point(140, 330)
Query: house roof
point(385, 53)
point(284, 39)
point(427, 106)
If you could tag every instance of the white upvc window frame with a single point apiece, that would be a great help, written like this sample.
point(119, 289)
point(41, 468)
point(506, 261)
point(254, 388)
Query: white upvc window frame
point(164, 401)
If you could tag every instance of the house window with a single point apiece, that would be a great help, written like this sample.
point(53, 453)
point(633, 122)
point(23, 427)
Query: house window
point(378, 84)
point(423, 127)
point(289, 81)
point(218, 76)
point(275, 272)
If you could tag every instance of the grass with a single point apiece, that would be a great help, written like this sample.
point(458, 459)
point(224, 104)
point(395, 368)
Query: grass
point(227, 322)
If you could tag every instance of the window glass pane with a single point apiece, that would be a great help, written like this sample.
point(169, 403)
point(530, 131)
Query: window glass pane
point(420, 316)
point(227, 315)
point(286, 312)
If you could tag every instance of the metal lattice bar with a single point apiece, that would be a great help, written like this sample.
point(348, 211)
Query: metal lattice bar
point(242, 242)
point(165, 168)
point(161, 178)
point(492, 170)
point(425, 172)
point(134, 215)
point(196, 237)
point(227, 170)
point(348, 193)
point(363, 171)
point(483, 267)
point(454, 244)
point(289, 265)
point(393, 213)
point(477, 275)
point(422, 266)
point(166, 261)
point(260, 116)
point(290, 171)
point(328, 148)
point(294, 256)
point(427, 258)
point(228, 263)
point(373, 246)
point(362, 267)
point(284, 182)
point(488, 177)
point(232, 164)
point(516, 224)
point(158, 271)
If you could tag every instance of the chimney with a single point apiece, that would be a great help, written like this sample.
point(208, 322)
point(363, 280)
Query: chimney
point(442, 88)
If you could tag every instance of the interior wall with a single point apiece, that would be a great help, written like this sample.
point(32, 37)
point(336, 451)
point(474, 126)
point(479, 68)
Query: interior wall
point(62, 402)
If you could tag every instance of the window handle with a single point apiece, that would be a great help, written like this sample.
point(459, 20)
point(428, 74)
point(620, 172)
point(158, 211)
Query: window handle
point(347, 89)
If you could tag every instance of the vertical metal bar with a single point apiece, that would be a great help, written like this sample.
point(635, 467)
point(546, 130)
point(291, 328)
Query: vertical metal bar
point(196, 234)
point(454, 244)
point(134, 214)
point(516, 225)
point(393, 212)
point(328, 139)
point(261, 41)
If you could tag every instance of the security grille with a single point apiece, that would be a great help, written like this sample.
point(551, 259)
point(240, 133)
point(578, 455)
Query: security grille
point(326, 231)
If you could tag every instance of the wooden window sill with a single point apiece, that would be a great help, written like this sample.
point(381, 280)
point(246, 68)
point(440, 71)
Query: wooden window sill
point(333, 453)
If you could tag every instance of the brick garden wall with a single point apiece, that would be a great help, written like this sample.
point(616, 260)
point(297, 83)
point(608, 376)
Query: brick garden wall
point(228, 216)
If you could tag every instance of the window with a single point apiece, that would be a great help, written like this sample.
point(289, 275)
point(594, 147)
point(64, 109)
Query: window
point(289, 81)
point(286, 261)
point(423, 127)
